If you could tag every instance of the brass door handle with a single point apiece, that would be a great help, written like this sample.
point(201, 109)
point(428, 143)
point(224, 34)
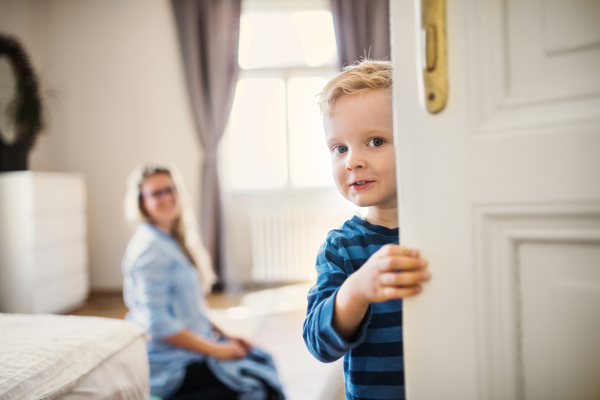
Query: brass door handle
point(433, 55)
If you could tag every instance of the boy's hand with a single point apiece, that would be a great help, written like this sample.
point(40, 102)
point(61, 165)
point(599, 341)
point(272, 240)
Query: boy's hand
point(393, 272)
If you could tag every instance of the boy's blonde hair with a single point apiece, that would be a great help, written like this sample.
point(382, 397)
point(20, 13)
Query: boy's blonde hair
point(361, 77)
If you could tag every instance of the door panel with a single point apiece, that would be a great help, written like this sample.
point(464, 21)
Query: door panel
point(570, 25)
point(559, 279)
point(519, 76)
point(501, 193)
point(530, 259)
point(550, 53)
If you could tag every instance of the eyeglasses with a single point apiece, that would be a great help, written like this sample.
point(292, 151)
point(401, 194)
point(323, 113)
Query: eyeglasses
point(157, 194)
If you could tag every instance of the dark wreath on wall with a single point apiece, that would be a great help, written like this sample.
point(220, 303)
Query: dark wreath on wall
point(20, 105)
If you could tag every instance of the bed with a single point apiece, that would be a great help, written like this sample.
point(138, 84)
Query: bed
point(68, 357)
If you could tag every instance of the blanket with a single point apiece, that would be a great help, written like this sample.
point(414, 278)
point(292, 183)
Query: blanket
point(44, 356)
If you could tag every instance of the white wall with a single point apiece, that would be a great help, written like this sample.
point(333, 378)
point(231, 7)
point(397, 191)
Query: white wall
point(115, 96)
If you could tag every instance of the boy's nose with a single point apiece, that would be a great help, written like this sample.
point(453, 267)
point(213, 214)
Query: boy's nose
point(354, 161)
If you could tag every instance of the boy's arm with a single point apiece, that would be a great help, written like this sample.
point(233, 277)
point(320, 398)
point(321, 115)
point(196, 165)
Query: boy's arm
point(393, 272)
point(338, 304)
point(349, 310)
point(321, 339)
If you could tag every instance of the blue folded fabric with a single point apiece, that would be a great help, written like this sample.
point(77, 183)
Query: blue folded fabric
point(248, 375)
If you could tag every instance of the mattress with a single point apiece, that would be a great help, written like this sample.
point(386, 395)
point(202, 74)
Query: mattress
point(50, 357)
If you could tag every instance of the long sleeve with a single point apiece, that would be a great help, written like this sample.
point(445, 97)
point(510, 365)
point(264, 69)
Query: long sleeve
point(162, 290)
point(319, 335)
point(374, 361)
point(151, 281)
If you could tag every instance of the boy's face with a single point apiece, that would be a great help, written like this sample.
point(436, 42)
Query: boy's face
point(359, 134)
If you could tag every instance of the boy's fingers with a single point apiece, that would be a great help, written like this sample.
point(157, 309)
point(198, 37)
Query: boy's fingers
point(391, 292)
point(402, 263)
point(404, 278)
point(396, 250)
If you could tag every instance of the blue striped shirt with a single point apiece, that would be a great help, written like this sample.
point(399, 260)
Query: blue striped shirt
point(373, 362)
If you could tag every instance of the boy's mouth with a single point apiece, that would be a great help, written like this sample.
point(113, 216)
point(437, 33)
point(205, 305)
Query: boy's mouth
point(361, 184)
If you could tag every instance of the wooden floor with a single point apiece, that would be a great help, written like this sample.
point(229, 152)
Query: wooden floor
point(104, 304)
point(111, 305)
point(271, 319)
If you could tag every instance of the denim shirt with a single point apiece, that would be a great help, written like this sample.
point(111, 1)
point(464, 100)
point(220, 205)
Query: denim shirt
point(163, 293)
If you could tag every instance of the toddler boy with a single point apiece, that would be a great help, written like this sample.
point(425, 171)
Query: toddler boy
point(355, 308)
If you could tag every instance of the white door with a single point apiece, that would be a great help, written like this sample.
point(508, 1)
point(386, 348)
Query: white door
point(501, 192)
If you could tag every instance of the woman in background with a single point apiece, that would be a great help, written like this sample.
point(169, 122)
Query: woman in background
point(165, 270)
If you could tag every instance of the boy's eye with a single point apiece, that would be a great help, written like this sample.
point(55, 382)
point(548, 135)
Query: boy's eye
point(376, 142)
point(340, 149)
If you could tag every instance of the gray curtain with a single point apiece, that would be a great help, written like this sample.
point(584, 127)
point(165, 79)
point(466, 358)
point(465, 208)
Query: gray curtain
point(209, 38)
point(362, 29)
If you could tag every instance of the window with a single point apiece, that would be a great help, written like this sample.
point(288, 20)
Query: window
point(275, 136)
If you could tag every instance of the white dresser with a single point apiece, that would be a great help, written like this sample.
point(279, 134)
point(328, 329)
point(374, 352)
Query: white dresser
point(43, 242)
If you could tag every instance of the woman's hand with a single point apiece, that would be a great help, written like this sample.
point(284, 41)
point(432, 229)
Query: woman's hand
point(246, 344)
point(229, 350)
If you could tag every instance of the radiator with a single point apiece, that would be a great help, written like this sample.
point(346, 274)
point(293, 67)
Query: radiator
point(285, 244)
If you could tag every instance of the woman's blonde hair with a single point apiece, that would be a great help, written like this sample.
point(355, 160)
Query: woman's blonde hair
point(186, 228)
point(363, 76)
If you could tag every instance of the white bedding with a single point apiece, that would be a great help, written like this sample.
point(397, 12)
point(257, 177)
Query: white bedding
point(47, 356)
point(119, 377)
